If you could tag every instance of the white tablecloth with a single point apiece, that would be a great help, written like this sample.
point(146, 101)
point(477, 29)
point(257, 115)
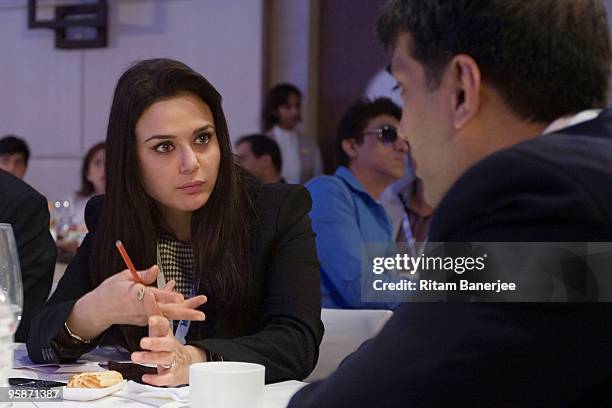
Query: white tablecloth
point(275, 395)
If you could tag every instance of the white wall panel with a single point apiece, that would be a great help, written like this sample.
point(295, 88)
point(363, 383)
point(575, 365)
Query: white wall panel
point(57, 179)
point(40, 88)
point(59, 100)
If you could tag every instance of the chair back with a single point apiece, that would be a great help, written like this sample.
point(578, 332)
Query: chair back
point(345, 331)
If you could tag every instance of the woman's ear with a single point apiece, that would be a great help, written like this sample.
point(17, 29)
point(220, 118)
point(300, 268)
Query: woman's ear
point(465, 83)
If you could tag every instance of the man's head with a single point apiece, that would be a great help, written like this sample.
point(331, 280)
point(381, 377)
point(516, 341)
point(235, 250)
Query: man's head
point(367, 141)
point(480, 75)
point(260, 155)
point(14, 155)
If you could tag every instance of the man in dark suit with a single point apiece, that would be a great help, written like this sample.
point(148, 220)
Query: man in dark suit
point(26, 210)
point(496, 94)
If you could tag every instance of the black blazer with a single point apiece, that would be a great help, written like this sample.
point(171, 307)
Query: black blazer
point(556, 187)
point(26, 210)
point(287, 330)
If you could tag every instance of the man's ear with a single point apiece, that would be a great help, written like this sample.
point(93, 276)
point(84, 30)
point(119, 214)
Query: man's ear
point(464, 79)
point(349, 146)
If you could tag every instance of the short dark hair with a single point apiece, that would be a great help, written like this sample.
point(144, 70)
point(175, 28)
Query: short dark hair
point(356, 119)
point(277, 96)
point(11, 144)
point(261, 144)
point(546, 58)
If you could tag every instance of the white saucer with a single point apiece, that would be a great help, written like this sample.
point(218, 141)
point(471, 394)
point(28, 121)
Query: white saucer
point(89, 394)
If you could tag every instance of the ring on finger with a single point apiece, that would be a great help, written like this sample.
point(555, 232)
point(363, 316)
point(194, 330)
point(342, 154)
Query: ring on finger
point(141, 292)
point(171, 365)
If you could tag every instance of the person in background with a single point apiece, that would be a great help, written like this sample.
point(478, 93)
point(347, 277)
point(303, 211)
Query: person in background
point(281, 115)
point(345, 211)
point(14, 155)
point(93, 182)
point(234, 260)
point(502, 103)
point(410, 214)
point(261, 156)
point(26, 210)
point(417, 217)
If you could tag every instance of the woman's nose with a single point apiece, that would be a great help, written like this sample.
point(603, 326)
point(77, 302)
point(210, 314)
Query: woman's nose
point(189, 161)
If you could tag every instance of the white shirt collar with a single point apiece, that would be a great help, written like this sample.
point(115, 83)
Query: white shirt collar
point(571, 120)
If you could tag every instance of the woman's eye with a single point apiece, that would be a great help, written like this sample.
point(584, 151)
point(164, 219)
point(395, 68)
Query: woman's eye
point(164, 147)
point(203, 138)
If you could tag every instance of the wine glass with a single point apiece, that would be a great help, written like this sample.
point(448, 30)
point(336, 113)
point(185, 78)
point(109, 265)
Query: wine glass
point(10, 273)
point(11, 301)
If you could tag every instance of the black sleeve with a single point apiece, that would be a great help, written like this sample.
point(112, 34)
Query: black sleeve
point(29, 217)
point(288, 344)
point(476, 354)
point(75, 283)
point(487, 354)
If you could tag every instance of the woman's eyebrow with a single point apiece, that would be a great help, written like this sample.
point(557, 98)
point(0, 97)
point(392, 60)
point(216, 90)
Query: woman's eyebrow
point(203, 128)
point(164, 137)
point(154, 137)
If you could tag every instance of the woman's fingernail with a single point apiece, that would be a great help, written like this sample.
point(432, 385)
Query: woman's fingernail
point(202, 316)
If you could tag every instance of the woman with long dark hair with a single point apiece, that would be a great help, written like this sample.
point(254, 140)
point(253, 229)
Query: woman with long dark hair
point(177, 200)
point(281, 115)
point(93, 182)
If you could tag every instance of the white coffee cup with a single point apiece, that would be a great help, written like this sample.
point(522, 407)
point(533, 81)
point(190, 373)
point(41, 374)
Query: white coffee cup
point(226, 384)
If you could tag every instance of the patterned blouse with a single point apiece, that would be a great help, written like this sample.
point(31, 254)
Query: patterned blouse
point(176, 262)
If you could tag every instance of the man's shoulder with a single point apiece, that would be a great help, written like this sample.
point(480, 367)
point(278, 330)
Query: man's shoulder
point(554, 179)
point(325, 182)
point(330, 190)
point(15, 190)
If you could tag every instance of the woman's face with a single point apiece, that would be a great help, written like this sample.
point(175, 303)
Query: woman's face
point(95, 172)
point(178, 154)
point(290, 113)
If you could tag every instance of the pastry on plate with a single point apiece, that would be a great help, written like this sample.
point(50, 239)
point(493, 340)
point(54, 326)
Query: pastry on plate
point(99, 379)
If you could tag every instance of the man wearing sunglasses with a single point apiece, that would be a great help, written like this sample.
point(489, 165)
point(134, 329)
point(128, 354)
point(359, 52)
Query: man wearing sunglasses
point(345, 211)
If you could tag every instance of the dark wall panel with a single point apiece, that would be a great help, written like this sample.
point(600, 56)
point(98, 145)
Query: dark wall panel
point(349, 55)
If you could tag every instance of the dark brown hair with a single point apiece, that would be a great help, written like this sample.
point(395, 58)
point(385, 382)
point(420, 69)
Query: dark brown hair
point(219, 234)
point(277, 96)
point(87, 188)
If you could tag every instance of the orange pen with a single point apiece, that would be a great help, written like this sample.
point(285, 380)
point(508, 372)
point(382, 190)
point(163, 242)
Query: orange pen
point(128, 261)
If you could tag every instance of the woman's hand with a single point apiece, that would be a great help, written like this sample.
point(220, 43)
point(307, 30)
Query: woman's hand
point(172, 358)
point(119, 300)
point(127, 306)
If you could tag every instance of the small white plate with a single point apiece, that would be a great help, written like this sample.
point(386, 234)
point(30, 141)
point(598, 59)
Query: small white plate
point(90, 394)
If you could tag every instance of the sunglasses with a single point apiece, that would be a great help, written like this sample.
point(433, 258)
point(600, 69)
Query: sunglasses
point(386, 134)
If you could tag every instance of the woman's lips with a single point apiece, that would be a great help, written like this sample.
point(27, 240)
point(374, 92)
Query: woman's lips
point(192, 187)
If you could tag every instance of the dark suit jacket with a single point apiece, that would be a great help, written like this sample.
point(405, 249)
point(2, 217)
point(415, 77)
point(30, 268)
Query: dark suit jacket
point(287, 330)
point(556, 187)
point(26, 210)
